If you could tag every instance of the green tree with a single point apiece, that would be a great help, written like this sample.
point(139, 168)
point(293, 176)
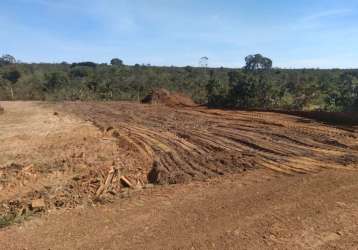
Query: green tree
point(116, 62)
point(355, 105)
point(266, 92)
point(12, 76)
point(242, 89)
point(343, 97)
point(257, 62)
point(7, 60)
point(217, 92)
point(55, 80)
point(81, 72)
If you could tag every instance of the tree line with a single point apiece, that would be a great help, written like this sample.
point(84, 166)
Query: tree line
point(257, 85)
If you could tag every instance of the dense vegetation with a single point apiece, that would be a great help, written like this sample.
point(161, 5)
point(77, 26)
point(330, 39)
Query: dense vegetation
point(257, 85)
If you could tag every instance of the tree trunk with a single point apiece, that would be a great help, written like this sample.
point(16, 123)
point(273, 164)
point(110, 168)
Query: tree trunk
point(12, 93)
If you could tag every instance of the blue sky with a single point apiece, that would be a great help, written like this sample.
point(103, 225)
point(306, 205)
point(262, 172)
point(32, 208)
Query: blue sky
point(302, 33)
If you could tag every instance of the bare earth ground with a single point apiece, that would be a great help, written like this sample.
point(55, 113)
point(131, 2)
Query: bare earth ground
point(281, 181)
point(258, 210)
point(196, 143)
point(42, 152)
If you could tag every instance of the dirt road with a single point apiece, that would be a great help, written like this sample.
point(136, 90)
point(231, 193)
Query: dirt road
point(256, 210)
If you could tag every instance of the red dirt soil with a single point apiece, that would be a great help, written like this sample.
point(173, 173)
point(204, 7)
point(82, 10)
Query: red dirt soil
point(73, 154)
point(171, 99)
point(177, 145)
point(256, 210)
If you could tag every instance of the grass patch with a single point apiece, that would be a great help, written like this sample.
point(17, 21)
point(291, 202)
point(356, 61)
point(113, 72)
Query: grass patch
point(7, 220)
point(10, 219)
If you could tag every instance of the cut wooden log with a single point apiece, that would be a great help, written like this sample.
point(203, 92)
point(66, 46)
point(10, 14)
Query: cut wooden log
point(104, 186)
point(38, 205)
point(126, 182)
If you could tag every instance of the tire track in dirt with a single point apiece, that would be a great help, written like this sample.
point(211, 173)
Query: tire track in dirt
point(197, 143)
point(56, 154)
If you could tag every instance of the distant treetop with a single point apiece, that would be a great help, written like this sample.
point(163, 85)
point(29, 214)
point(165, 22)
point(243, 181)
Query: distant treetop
point(116, 62)
point(7, 59)
point(84, 64)
point(257, 62)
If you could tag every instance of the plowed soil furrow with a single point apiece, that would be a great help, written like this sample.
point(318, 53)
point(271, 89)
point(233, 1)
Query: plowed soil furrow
point(263, 139)
point(259, 145)
point(76, 154)
point(276, 135)
point(201, 143)
point(298, 141)
point(221, 142)
point(177, 170)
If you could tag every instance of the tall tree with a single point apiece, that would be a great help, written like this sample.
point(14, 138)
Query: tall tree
point(7, 59)
point(12, 76)
point(217, 92)
point(257, 62)
point(116, 62)
point(242, 89)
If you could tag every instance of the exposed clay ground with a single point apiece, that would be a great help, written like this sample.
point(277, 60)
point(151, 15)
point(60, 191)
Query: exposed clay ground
point(282, 181)
point(255, 210)
point(196, 143)
point(47, 155)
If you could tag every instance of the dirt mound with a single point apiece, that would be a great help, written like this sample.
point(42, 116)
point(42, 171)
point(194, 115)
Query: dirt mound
point(163, 96)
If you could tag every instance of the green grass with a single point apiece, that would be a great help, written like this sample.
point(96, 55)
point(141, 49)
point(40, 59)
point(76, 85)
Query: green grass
point(10, 219)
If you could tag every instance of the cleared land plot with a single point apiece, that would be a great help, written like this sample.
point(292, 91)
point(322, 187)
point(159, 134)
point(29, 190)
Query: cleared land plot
point(196, 143)
point(73, 154)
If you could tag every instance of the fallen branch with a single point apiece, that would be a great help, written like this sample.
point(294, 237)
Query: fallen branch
point(104, 187)
point(126, 181)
